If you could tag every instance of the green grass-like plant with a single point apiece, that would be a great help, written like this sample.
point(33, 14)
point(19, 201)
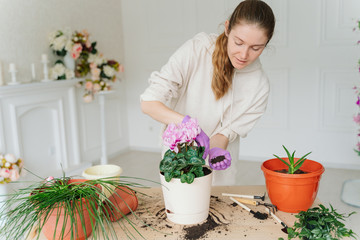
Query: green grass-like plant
point(292, 165)
point(30, 207)
point(320, 223)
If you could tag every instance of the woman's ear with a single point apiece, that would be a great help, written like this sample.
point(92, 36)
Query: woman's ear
point(226, 30)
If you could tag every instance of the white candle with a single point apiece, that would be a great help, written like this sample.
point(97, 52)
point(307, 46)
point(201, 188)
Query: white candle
point(33, 76)
point(12, 67)
point(1, 76)
point(44, 58)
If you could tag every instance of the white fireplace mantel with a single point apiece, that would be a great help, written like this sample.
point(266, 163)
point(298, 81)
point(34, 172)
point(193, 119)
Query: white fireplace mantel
point(52, 129)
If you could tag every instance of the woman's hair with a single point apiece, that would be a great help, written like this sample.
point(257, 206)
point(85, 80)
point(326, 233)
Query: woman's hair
point(250, 12)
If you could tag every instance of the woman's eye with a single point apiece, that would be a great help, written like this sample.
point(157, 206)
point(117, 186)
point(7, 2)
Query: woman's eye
point(238, 43)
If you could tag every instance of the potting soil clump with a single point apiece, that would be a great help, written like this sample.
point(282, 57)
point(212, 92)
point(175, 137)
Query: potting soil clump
point(198, 231)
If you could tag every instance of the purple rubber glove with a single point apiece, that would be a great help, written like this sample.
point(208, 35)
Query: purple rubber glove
point(202, 139)
point(219, 159)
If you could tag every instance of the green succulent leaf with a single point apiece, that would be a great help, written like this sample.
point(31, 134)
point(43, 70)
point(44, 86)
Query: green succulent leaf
point(292, 165)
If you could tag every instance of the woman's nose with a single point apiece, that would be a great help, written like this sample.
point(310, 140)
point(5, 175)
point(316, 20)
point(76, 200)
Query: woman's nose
point(244, 52)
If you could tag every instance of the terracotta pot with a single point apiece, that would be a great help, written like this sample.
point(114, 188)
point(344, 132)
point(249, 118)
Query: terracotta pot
point(124, 201)
point(292, 193)
point(57, 218)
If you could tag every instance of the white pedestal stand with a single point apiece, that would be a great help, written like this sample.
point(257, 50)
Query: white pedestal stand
point(104, 159)
point(4, 190)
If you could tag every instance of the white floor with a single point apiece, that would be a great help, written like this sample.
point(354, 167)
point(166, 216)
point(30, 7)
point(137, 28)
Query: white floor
point(145, 165)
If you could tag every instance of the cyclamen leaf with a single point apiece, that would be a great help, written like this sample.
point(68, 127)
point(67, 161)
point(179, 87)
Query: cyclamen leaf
point(195, 161)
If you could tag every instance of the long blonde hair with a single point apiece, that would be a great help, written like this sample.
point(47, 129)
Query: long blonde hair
point(250, 12)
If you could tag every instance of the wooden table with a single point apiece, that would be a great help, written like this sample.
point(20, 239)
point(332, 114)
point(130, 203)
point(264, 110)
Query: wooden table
point(225, 221)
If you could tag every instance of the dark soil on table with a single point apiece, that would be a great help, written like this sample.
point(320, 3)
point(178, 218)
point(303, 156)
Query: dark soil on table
point(299, 171)
point(197, 231)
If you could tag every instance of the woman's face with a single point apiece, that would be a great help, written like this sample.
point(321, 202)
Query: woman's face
point(245, 44)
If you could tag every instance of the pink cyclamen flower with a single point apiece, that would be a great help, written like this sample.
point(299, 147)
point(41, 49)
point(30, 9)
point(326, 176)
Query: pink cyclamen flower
point(358, 145)
point(357, 118)
point(181, 133)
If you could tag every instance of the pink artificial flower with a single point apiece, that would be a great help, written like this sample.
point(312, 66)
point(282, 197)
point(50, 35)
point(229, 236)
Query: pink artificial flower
point(4, 172)
point(358, 101)
point(89, 85)
point(97, 87)
point(121, 68)
point(95, 73)
point(357, 118)
point(14, 175)
point(88, 98)
point(88, 43)
point(92, 65)
point(10, 158)
point(76, 50)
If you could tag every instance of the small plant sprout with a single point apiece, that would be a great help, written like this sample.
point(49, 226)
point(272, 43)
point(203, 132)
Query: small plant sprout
point(292, 165)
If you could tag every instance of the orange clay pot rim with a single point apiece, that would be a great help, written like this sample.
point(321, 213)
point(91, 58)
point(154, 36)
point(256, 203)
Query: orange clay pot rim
point(286, 175)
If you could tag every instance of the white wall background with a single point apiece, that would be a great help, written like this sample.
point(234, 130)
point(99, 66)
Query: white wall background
point(311, 62)
point(24, 29)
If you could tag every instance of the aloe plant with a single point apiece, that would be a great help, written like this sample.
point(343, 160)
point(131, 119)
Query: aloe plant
point(292, 165)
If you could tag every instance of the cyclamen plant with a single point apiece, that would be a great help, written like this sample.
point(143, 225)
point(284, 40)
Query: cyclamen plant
point(184, 158)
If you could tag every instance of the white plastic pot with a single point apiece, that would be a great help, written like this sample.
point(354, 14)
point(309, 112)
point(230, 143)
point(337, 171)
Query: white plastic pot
point(187, 203)
point(103, 171)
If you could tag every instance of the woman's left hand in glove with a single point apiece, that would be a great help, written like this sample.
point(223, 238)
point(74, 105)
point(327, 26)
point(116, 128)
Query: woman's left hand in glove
point(219, 159)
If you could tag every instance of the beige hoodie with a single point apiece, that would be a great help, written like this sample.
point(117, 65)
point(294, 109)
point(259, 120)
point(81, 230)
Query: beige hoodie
point(184, 84)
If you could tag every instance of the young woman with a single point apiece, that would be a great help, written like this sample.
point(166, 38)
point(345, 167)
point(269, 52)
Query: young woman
point(219, 81)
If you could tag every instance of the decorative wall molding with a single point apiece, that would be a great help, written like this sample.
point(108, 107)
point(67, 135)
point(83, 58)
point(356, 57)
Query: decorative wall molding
point(277, 112)
point(337, 99)
point(338, 18)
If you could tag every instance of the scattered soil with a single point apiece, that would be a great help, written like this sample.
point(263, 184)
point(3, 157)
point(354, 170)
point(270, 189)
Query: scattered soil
point(299, 171)
point(198, 231)
point(217, 159)
point(260, 215)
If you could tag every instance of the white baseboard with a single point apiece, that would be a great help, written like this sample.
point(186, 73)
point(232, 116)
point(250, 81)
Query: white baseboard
point(145, 149)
